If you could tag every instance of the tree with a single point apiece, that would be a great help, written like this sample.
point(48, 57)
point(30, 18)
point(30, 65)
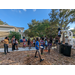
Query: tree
point(16, 34)
point(62, 17)
point(73, 32)
point(3, 23)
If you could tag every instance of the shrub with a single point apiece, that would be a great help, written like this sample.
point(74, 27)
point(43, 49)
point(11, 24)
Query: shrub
point(16, 34)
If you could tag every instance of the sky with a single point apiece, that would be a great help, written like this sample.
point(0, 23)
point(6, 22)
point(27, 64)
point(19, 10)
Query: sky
point(21, 17)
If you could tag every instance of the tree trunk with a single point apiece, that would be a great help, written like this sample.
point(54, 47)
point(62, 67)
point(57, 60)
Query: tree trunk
point(63, 37)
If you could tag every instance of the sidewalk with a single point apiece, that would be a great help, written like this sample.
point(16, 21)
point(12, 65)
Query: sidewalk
point(20, 49)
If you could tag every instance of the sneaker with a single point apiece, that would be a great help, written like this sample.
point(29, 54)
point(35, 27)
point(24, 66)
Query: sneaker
point(36, 56)
point(41, 60)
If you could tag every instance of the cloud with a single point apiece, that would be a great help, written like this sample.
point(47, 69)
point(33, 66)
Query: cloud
point(24, 9)
point(34, 10)
point(19, 11)
point(71, 28)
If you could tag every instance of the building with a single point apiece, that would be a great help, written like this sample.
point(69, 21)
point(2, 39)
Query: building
point(6, 29)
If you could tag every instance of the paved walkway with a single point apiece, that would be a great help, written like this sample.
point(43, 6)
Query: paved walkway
point(20, 49)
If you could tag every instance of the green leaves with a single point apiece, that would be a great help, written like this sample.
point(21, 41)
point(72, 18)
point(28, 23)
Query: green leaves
point(16, 34)
point(3, 23)
point(62, 17)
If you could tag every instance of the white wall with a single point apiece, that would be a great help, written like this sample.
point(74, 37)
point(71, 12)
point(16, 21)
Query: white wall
point(7, 29)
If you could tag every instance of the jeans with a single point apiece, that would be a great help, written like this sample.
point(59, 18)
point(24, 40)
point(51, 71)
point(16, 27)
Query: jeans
point(5, 48)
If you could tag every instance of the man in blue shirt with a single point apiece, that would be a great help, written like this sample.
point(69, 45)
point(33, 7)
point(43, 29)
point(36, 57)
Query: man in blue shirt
point(37, 49)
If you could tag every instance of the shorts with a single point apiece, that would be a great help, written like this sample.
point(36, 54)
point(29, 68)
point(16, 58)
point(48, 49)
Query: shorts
point(23, 45)
point(46, 45)
point(59, 35)
point(16, 44)
point(37, 50)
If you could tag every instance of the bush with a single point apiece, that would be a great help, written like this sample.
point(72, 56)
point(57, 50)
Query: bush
point(16, 34)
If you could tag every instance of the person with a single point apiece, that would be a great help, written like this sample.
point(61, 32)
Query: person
point(56, 40)
point(50, 44)
point(42, 44)
point(59, 34)
point(45, 37)
point(16, 44)
point(24, 44)
point(13, 43)
point(66, 40)
point(42, 36)
point(46, 44)
point(29, 43)
point(6, 44)
point(37, 49)
point(34, 42)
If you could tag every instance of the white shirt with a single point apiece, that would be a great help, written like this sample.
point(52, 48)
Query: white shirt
point(66, 40)
point(33, 41)
point(59, 33)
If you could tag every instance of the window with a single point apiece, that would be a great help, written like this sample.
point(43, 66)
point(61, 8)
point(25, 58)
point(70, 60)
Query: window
point(19, 30)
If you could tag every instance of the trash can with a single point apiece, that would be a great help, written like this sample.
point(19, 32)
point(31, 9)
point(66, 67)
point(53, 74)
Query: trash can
point(67, 50)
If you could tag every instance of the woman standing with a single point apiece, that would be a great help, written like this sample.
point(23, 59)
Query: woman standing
point(13, 43)
point(16, 44)
point(6, 42)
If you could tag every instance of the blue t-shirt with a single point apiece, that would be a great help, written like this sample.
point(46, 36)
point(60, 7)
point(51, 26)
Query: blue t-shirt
point(46, 43)
point(37, 44)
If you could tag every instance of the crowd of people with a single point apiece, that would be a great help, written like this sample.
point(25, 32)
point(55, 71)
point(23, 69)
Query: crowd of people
point(39, 44)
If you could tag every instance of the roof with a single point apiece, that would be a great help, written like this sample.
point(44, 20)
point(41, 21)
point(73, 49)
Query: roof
point(6, 26)
point(20, 27)
point(11, 26)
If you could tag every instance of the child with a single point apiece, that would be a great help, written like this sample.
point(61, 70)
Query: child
point(42, 44)
point(24, 44)
point(6, 42)
point(29, 44)
point(50, 44)
point(16, 44)
point(66, 40)
point(37, 49)
point(46, 44)
point(34, 42)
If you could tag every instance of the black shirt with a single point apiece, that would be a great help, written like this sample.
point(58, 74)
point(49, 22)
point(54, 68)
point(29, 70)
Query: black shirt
point(28, 42)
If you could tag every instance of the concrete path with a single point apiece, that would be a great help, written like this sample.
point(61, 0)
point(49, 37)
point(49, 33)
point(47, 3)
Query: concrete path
point(20, 49)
